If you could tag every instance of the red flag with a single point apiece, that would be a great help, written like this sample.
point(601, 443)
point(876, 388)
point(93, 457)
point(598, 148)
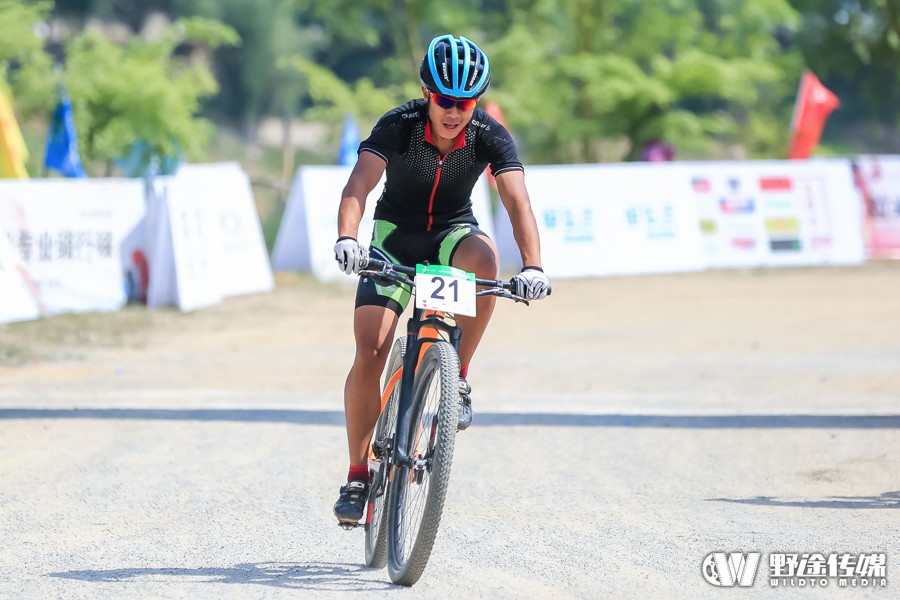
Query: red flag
point(493, 110)
point(814, 103)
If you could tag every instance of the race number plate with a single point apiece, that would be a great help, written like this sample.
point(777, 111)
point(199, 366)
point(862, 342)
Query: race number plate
point(445, 288)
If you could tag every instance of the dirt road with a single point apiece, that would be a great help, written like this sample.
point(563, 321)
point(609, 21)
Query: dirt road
point(624, 429)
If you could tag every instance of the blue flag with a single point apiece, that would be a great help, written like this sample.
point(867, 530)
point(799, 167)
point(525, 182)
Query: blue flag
point(349, 142)
point(62, 143)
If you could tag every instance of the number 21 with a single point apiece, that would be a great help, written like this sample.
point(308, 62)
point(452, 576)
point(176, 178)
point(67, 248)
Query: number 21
point(436, 294)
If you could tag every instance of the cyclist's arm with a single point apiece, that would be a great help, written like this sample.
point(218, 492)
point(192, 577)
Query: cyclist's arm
point(363, 179)
point(514, 195)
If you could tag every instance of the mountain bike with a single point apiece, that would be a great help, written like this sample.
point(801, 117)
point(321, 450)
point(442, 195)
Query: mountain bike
point(412, 445)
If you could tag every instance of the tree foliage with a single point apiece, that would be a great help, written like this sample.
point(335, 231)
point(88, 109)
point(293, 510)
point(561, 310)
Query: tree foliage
point(23, 62)
point(854, 47)
point(578, 80)
point(141, 91)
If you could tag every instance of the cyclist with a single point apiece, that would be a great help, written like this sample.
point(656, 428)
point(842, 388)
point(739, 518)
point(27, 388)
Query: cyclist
point(433, 150)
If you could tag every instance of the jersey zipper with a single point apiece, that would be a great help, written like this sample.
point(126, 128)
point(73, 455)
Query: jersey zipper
point(437, 179)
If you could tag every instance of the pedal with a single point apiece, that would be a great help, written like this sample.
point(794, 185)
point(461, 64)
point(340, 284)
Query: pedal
point(348, 526)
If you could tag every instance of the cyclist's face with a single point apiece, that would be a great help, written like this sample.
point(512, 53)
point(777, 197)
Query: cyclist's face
point(447, 123)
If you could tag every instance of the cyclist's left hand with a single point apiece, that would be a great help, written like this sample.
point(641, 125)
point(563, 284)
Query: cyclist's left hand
point(531, 283)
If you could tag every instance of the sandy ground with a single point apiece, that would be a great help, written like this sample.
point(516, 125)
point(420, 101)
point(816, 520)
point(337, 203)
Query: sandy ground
point(624, 429)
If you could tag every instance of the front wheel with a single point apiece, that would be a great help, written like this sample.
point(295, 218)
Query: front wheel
point(417, 492)
point(379, 467)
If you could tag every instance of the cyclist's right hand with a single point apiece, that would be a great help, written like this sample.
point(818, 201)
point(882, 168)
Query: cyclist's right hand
point(349, 255)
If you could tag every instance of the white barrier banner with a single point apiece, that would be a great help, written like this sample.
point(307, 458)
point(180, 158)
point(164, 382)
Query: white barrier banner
point(18, 298)
point(242, 249)
point(204, 237)
point(610, 219)
point(879, 185)
point(68, 234)
point(308, 228)
point(774, 213)
point(652, 217)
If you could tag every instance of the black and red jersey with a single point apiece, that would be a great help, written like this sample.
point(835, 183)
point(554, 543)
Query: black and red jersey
point(424, 190)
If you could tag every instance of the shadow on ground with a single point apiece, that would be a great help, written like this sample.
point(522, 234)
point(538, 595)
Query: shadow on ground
point(310, 576)
point(487, 419)
point(885, 500)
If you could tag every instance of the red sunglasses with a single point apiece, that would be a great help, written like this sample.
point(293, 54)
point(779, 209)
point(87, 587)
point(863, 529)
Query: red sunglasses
point(446, 102)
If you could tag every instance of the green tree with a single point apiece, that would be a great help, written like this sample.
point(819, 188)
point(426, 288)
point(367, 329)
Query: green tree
point(141, 91)
point(854, 47)
point(585, 72)
point(23, 62)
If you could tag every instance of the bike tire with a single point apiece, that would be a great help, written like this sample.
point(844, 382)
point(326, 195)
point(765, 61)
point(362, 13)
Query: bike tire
point(414, 514)
point(376, 530)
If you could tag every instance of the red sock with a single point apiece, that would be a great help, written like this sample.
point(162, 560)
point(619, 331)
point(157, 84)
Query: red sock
point(464, 371)
point(358, 473)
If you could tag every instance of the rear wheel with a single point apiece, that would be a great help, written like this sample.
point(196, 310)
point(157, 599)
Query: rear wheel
point(417, 493)
point(376, 546)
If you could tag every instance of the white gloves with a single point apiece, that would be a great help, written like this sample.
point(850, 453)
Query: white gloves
point(349, 255)
point(531, 283)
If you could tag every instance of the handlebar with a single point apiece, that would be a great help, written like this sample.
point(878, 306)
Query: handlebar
point(391, 273)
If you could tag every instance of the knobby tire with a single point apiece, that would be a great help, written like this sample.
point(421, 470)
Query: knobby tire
point(414, 513)
point(376, 521)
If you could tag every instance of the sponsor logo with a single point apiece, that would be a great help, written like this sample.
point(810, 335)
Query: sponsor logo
point(729, 569)
point(701, 185)
point(798, 569)
point(573, 225)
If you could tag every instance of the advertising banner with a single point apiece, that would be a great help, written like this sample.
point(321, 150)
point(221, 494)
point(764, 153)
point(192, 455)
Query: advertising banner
point(878, 181)
point(69, 235)
point(308, 230)
point(776, 213)
point(18, 298)
point(204, 238)
point(609, 220)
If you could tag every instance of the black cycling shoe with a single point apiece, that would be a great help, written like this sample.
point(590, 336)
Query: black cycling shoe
point(351, 505)
point(465, 405)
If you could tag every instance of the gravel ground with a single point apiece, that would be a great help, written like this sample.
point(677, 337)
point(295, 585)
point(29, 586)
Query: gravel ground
point(624, 429)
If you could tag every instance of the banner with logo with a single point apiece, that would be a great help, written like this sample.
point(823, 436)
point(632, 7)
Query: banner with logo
point(308, 230)
point(204, 238)
point(774, 213)
point(18, 296)
point(642, 218)
point(878, 182)
point(609, 220)
point(68, 235)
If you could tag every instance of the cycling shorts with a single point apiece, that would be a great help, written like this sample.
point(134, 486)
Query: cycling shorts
point(408, 248)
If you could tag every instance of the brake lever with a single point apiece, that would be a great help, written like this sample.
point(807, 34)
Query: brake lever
point(503, 294)
point(386, 278)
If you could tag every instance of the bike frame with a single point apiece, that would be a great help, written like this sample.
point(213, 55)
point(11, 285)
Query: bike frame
point(419, 336)
point(424, 328)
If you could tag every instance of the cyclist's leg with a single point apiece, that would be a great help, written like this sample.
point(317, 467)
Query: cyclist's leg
point(374, 321)
point(373, 328)
point(477, 254)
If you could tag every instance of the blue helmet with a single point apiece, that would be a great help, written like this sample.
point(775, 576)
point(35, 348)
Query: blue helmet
point(455, 67)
